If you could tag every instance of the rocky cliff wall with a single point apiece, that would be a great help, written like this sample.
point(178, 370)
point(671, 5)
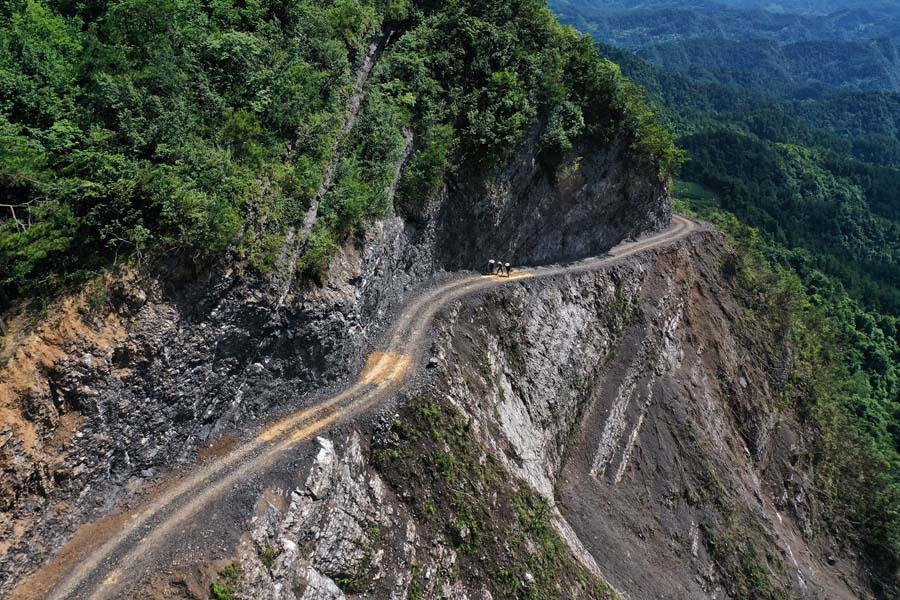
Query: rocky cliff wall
point(621, 426)
point(529, 213)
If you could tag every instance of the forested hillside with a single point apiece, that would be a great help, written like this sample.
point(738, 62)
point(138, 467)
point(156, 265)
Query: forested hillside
point(845, 382)
point(808, 185)
point(800, 69)
point(153, 129)
point(811, 173)
point(636, 25)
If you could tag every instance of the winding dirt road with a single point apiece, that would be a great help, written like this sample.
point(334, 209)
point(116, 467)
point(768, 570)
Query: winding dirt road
point(103, 557)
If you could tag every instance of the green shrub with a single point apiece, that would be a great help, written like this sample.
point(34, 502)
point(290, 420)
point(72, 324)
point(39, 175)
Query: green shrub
point(226, 587)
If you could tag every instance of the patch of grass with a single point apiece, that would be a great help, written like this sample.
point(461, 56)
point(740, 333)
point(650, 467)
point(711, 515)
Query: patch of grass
point(484, 367)
point(501, 528)
point(226, 586)
point(263, 253)
point(416, 590)
point(352, 584)
point(361, 579)
point(748, 572)
point(515, 353)
point(97, 293)
point(430, 508)
point(622, 309)
point(268, 555)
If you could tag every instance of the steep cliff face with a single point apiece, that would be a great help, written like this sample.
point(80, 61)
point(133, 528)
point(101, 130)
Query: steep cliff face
point(645, 400)
point(131, 377)
point(620, 426)
point(534, 214)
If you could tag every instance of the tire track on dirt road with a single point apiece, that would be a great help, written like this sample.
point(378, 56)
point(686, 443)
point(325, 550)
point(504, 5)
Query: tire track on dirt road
point(103, 557)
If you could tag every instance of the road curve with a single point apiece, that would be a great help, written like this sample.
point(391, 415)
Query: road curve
point(97, 561)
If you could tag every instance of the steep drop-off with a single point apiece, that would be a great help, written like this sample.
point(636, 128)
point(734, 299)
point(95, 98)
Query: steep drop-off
point(646, 401)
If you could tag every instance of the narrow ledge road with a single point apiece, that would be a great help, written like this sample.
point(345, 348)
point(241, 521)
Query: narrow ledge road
point(103, 557)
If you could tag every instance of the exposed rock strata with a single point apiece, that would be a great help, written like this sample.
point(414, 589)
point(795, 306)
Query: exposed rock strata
point(632, 399)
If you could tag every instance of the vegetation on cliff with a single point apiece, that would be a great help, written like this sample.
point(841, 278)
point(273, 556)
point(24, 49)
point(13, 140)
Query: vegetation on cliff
point(844, 381)
point(459, 491)
point(137, 129)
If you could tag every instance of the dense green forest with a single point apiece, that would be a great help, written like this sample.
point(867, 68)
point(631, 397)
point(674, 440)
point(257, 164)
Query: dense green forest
point(807, 186)
point(132, 130)
point(809, 173)
point(642, 24)
point(801, 69)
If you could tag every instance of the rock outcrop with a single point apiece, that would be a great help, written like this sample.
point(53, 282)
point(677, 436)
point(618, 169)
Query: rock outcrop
point(531, 214)
point(344, 530)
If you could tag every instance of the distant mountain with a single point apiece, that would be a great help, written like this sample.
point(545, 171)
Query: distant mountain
point(800, 69)
point(807, 7)
point(759, 45)
point(815, 7)
point(662, 23)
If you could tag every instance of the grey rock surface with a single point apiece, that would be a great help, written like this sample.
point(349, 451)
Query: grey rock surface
point(344, 526)
point(629, 399)
point(529, 214)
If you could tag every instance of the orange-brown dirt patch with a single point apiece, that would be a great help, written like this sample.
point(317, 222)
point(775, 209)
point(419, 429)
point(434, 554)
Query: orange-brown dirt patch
point(384, 367)
point(217, 447)
point(85, 540)
point(29, 356)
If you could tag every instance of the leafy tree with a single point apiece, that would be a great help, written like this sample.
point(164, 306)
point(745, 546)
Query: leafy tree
point(566, 123)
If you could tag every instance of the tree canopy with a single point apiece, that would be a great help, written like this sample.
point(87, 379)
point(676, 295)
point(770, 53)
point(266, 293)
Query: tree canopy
point(135, 129)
